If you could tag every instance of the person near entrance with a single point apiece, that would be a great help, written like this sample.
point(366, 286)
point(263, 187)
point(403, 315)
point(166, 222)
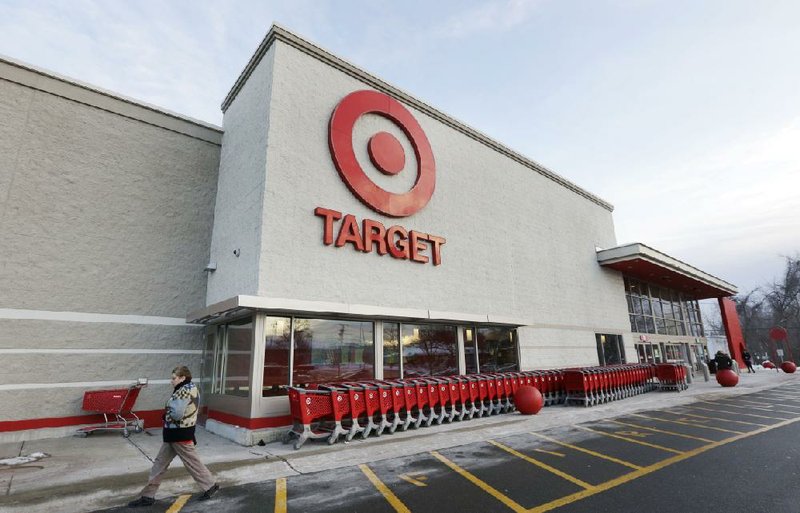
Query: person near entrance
point(748, 360)
point(723, 361)
point(180, 418)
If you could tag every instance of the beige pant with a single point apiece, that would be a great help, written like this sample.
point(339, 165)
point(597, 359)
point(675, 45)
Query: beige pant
point(188, 455)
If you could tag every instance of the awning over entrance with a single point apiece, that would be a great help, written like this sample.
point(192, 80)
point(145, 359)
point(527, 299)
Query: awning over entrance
point(647, 264)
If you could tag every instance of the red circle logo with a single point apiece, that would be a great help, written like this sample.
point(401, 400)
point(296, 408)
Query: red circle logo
point(385, 152)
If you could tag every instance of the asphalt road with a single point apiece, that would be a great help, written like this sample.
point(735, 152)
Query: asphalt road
point(734, 454)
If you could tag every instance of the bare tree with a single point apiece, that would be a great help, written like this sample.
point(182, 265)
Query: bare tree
point(776, 304)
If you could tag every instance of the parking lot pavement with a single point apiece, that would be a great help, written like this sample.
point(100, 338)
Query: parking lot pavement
point(575, 467)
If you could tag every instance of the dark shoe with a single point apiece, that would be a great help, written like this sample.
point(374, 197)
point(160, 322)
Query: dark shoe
point(141, 502)
point(209, 493)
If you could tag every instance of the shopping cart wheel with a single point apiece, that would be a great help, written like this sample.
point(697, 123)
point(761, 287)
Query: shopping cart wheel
point(126, 433)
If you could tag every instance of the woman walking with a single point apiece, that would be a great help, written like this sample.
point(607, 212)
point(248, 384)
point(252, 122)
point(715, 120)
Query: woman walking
point(180, 417)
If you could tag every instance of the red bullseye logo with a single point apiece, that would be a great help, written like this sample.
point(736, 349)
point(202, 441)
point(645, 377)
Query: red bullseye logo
point(385, 152)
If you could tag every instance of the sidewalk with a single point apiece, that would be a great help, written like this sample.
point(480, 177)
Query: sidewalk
point(106, 470)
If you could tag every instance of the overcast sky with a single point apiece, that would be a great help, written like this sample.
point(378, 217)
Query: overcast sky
point(685, 115)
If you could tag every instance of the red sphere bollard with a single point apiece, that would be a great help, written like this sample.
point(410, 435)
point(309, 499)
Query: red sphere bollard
point(788, 367)
point(727, 378)
point(768, 365)
point(528, 400)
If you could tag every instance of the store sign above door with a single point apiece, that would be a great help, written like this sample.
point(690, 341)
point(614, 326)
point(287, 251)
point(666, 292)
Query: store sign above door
point(388, 156)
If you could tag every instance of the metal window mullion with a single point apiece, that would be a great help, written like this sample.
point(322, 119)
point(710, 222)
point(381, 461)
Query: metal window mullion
point(400, 347)
point(291, 351)
point(377, 344)
point(462, 359)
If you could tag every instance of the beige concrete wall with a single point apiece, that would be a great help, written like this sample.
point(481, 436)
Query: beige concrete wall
point(106, 210)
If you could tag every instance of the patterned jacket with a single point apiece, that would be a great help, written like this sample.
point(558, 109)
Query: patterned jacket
point(180, 413)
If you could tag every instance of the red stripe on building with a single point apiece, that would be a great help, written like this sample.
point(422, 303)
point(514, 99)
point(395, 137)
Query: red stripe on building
point(258, 423)
point(151, 418)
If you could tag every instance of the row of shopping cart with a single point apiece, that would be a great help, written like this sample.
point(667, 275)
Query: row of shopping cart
point(589, 386)
point(345, 410)
point(335, 410)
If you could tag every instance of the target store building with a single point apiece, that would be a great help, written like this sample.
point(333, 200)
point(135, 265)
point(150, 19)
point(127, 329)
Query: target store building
point(335, 228)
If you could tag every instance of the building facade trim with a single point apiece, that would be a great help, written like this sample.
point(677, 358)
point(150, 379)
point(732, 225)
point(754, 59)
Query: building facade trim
point(305, 307)
point(70, 89)
point(46, 315)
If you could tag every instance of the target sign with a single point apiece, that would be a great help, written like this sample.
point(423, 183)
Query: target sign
point(385, 152)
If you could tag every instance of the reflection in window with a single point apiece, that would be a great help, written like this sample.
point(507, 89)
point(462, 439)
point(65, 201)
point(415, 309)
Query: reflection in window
point(391, 350)
point(429, 350)
point(277, 336)
point(239, 343)
point(332, 350)
point(497, 350)
point(663, 311)
point(470, 354)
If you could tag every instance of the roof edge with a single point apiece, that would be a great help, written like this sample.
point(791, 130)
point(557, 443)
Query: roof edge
point(287, 305)
point(31, 76)
point(278, 33)
point(640, 250)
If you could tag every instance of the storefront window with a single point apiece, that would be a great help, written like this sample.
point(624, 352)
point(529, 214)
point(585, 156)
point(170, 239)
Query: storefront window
point(429, 350)
point(497, 350)
point(470, 354)
point(278, 337)
point(391, 350)
point(661, 310)
point(610, 350)
point(238, 355)
point(332, 350)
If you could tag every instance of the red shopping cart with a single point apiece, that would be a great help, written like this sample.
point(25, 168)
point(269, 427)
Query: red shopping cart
point(116, 406)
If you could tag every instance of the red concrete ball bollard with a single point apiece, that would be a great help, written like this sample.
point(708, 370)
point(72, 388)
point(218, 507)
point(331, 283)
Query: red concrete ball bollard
point(768, 365)
point(788, 367)
point(727, 378)
point(528, 400)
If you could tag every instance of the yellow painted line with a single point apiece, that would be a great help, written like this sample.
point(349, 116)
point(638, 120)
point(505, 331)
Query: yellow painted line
point(390, 497)
point(752, 405)
point(721, 420)
point(178, 504)
point(690, 424)
point(773, 404)
point(418, 481)
point(552, 453)
point(632, 440)
point(745, 407)
point(280, 495)
point(587, 451)
point(671, 433)
point(582, 484)
point(736, 413)
point(563, 501)
point(480, 484)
